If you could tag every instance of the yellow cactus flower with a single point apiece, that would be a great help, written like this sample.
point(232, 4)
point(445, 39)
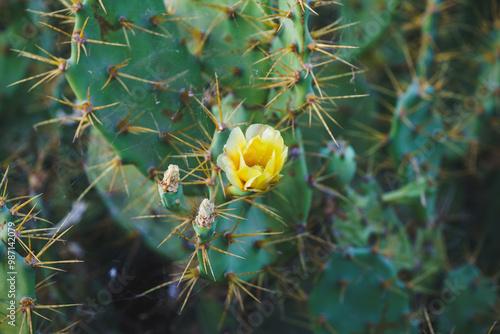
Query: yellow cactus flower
point(253, 161)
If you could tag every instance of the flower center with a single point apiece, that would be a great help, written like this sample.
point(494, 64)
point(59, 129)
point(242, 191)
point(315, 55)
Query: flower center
point(257, 153)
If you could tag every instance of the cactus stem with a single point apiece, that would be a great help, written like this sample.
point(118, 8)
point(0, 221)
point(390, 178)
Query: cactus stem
point(129, 25)
point(231, 238)
point(221, 124)
point(206, 259)
point(88, 117)
point(125, 126)
point(79, 38)
point(171, 192)
point(205, 246)
point(113, 73)
point(202, 248)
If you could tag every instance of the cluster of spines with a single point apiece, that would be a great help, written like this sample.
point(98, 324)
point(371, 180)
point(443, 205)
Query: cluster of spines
point(290, 69)
point(295, 91)
point(19, 287)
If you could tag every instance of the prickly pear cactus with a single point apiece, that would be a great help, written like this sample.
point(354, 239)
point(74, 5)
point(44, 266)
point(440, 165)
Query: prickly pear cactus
point(470, 301)
point(166, 111)
point(351, 280)
point(22, 312)
point(18, 285)
point(239, 139)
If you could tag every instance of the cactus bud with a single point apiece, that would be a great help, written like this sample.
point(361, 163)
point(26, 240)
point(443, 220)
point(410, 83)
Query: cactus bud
point(206, 214)
point(171, 179)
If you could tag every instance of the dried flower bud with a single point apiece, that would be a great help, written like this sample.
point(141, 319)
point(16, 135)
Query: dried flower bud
point(206, 214)
point(171, 179)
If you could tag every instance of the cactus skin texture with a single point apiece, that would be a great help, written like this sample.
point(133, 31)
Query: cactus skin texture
point(23, 287)
point(162, 89)
point(19, 286)
point(174, 107)
point(18, 276)
point(351, 280)
point(474, 304)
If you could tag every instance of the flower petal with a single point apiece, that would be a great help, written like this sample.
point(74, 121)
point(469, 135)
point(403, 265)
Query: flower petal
point(221, 162)
point(235, 143)
point(255, 130)
point(257, 152)
point(226, 164)
point(247, 173)
point(270, 164)
point(273, 136)
point(275, 179)
point(280, 161)
point(253, 183)
point(253, 161)
point(263, 182)
point(234, 179)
